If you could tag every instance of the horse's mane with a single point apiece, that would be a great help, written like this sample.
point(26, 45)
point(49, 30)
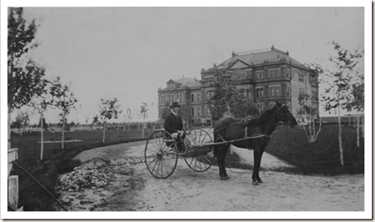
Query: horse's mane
point(261, 118)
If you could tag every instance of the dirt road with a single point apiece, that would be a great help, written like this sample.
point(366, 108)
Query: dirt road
point(132, 188)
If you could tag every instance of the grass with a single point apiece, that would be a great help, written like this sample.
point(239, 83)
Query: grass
point(321, 157)
point(288, 144)
point(56, 161)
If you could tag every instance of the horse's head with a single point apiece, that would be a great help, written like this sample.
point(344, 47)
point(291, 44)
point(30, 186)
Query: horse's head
point(284, 115)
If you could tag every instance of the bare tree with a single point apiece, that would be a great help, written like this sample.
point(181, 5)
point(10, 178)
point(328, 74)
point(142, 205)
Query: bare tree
point(338, 95)
point(127, 116)
point(308, 116)
point(144, 114)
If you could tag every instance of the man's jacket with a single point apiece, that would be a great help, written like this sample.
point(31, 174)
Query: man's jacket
point(173, 123)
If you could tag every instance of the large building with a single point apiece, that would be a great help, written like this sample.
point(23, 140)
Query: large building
point(264, 76)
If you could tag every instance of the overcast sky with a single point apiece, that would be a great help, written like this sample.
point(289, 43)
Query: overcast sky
point(129, 52)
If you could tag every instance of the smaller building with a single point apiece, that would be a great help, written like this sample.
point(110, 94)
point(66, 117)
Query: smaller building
point(187, 92)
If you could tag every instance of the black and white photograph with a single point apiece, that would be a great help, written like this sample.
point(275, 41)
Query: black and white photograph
point(119, 110)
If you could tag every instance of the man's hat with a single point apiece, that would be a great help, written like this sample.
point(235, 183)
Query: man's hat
point(174, 104)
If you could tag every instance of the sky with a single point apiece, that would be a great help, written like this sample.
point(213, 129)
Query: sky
point(130, 52)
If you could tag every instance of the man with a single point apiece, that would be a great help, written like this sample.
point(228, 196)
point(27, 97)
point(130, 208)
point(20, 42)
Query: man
point(173, 124)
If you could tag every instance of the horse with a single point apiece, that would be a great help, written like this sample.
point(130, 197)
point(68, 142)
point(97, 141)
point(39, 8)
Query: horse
point(234, 131)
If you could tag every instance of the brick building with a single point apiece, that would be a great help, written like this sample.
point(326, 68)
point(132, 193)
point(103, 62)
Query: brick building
point(263, 76)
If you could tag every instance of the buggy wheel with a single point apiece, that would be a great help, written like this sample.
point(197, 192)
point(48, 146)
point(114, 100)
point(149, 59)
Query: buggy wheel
point(201, 161)
point(160, 154)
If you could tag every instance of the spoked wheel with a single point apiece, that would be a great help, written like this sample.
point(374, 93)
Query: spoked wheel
point(199, 161)
point(160, 154)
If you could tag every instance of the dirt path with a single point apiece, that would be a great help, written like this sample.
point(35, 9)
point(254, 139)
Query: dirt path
point(133, 188)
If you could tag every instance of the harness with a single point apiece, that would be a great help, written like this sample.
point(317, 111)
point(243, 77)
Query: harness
point(246, 123)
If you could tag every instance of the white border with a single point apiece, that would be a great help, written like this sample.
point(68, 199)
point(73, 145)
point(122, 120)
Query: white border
point(367, 214)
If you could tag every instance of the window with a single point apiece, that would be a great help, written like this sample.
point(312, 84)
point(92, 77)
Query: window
point(173, 98)
point(272, 91)
point(287, 90)
point(277, 90)
point(301, 78)
point(314, 94)
point(301, 91)
point(261, 75)
point(192, 97)
point(287, 72)
point(259, 92)
point(198, 97)
point(272, 74)
point(276, 73)
point(199, 111)
point(192, 111)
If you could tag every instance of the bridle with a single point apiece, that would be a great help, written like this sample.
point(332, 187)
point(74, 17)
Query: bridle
point(279, 115)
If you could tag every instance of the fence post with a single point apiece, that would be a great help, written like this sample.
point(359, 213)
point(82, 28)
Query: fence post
point(13, 192)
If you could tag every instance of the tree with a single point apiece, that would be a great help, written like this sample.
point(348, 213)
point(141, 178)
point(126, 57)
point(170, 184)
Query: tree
point(244, 107)
point(96, 121)
point(227, 100)
point(65, 101)
point(338, 94)
point(358, 104)
point(308, 116)
point(185, 112)
point(22, 120)
point(41, 102)
point(144, 114)
point(165, 110)
point(129, 117)
point(25, 77)
point(109, 109)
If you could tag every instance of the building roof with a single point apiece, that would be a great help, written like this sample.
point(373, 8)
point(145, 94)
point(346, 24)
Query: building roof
point(185, 81)
point(258, 57)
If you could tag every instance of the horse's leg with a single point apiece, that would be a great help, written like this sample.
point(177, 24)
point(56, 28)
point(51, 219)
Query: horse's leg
point(220, 152)
point(258, 152)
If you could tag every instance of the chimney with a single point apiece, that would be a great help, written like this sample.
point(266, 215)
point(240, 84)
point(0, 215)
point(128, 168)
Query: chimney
point(233, 54)
point(272, 48)
point(287, 52)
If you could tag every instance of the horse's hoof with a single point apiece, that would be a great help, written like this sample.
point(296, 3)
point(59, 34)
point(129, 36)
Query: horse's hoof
point(255, 182)
point(224, 178)
point(260, 181)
